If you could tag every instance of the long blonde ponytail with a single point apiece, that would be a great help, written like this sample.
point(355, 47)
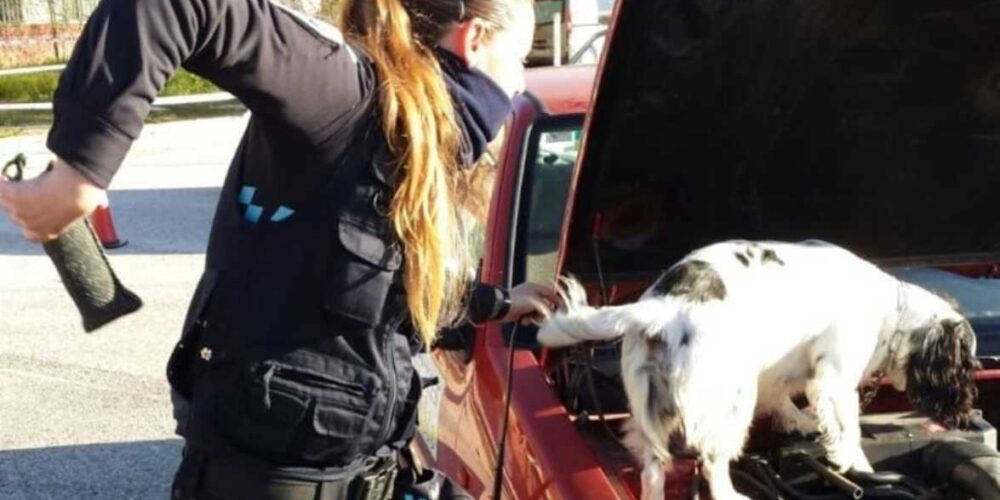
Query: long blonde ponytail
point(420, 125)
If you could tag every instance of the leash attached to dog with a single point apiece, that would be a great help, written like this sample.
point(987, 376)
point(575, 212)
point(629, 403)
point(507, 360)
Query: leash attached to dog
point(83, 267)
point(870, 390)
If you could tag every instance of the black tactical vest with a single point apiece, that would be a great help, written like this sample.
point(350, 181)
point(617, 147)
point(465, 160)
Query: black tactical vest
point(291, 350)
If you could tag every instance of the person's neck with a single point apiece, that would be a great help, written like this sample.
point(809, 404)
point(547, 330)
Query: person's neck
point(481, 106)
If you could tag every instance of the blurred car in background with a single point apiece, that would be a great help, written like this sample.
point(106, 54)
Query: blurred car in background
point(584, 25)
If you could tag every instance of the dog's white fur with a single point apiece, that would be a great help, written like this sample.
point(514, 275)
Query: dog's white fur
point(804, 318)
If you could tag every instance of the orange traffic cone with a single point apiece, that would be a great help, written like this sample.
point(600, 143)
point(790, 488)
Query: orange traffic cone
point(105, 228)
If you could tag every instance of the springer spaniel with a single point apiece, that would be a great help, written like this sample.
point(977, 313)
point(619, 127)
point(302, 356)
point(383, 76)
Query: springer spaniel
point(738, 329)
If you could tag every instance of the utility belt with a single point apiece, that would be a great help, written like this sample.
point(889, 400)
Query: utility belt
point(224, 477)
point(202, 475)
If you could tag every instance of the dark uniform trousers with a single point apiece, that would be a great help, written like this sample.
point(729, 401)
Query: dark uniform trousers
point(217, 477)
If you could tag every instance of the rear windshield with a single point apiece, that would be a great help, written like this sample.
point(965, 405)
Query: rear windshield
point(873, 125)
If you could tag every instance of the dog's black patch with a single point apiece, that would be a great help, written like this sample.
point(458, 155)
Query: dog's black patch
point(770, 255)
point(685, 339)
point(693, 279)
point(940, 371)
point(742, 258)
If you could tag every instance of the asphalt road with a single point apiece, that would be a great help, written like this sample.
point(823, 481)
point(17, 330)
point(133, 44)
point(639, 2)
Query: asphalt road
point(88, 415)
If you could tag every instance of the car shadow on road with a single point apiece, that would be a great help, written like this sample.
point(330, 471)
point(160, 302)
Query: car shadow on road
point(153, 221)
point(108, 471)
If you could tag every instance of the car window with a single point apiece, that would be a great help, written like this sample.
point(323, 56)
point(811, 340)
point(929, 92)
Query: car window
point(549, 166)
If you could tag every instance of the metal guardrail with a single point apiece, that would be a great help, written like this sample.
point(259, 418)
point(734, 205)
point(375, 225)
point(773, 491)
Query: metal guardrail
point(180, 100)
point(588, 45)
point(560, 44)
point(177, 100)
point(31, 70)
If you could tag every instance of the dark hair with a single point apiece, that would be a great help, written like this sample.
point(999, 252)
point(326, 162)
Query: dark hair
point(432, 18)
point(940, 372)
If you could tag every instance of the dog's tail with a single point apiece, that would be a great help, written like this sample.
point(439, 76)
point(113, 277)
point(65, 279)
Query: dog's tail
point(577, 322)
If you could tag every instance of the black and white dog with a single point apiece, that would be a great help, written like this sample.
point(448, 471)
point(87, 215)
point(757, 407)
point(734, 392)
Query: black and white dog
point(739, 329)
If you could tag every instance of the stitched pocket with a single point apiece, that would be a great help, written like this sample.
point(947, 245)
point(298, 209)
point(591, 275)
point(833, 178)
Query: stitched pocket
point(301, 415)
point(363, 265)
point(341, 415)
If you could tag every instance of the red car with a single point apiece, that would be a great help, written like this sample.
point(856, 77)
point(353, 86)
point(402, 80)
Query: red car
point(872, 126)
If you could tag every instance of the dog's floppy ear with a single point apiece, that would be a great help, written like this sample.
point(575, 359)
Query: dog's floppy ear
point(963, 330)
point(940, 371)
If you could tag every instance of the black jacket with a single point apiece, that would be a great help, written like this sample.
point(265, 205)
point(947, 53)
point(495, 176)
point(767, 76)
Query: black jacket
point(293, 348)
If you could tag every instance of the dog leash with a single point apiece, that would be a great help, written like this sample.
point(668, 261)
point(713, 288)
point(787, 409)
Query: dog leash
point(870, 390)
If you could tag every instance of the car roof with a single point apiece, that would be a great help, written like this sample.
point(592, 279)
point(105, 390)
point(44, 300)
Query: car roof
point(562, 90)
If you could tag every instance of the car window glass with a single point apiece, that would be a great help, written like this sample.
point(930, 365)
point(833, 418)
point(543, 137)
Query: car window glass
point(547, 175)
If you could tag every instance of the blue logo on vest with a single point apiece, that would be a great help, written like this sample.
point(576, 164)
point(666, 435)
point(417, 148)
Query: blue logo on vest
point(254, 212)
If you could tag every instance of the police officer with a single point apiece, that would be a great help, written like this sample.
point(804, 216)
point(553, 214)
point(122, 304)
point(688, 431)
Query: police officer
point(341, 239)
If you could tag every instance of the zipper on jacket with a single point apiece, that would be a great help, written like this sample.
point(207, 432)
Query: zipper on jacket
point(308, 379)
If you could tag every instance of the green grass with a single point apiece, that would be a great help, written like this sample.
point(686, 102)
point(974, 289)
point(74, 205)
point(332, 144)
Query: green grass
point(34, 87)
point(38, 87)
point(184, 83)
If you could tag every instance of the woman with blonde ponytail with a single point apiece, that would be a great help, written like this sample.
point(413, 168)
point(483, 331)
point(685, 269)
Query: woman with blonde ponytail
point(424, 133)
point(341, 241)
